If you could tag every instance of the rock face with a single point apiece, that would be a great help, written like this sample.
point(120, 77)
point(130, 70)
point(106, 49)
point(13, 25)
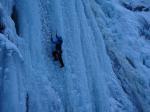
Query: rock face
point(106, 52)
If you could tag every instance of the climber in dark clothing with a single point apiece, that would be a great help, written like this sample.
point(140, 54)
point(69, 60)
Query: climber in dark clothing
point(57, 50)
point(2, 27)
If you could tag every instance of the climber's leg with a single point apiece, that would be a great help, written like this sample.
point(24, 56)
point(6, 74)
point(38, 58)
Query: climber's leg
point(61, 61)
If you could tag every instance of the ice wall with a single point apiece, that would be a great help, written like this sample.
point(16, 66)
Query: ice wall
point(85, 56)
point(105, 52)
point(24, 86)
point(126, 46)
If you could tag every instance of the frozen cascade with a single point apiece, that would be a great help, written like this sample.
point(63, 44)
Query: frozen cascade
point(106, 52)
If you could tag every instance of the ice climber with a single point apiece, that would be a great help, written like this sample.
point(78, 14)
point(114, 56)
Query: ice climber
point(57, 50)
point(2, 27)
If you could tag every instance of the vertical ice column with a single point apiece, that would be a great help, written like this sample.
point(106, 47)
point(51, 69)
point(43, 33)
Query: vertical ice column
point(11, 82)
